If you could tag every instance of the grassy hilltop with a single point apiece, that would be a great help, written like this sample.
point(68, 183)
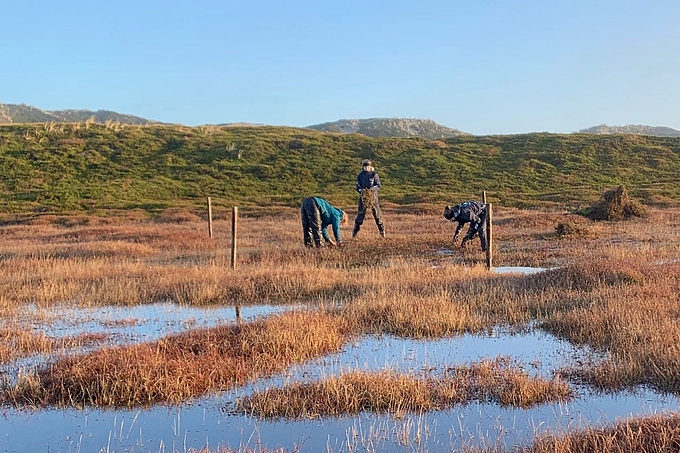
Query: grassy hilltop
point(94, 168)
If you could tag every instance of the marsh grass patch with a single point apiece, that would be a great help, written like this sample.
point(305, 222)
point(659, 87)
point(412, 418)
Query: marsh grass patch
point(651, 434)
point(182, 366)
point(498, 381)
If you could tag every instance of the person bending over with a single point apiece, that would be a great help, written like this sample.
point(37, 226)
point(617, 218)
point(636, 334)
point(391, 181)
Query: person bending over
point(470, 212)
point(317, 215)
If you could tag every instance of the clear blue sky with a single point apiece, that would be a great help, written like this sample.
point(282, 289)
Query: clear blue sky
point(487, 67)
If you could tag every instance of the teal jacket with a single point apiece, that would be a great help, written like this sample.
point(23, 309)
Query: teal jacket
point(329, 216)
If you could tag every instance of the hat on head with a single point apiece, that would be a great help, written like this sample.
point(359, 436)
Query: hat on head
point(451, 213)
point(367, 163)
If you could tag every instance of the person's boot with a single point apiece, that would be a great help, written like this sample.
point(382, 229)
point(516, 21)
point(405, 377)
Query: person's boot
point(355, 231)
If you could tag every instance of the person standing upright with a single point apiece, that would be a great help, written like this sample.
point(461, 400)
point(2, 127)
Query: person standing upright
point(368, 184)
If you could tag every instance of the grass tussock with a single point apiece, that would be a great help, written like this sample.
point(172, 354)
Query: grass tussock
point(351, 393)
point(616, 204)
point(635, 324)
point(587, 276)
point(571, 229)
point(656, 434)
point(182, 366)
point(413, 315)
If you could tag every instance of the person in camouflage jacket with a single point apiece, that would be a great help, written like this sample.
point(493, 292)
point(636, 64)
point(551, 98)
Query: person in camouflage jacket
point(470, 212)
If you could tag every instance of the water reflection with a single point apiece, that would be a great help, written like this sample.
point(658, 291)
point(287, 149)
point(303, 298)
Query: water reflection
point(136, 323)
point(205, 423)
point(518, 270)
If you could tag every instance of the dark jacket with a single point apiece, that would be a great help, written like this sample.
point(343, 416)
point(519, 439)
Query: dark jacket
point(367, 180)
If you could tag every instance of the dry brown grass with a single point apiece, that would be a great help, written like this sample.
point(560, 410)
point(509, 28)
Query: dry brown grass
point(615, 290)
point(183, 366)
point(656, 434)
point(351, 393)
point(16, 342)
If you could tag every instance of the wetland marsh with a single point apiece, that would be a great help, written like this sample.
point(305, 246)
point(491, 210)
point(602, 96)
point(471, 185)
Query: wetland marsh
point(120, 335)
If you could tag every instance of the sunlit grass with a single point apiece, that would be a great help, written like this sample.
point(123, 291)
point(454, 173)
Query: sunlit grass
point(180, 367)
point(497, 381)
point(615, 289)
point(655, 434)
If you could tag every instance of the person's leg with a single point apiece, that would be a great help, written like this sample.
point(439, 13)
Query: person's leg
point(377, 215)
point(472, 230)
point(482, 230)
point(476, 227)
point(315, 223)
point(306, 223)
point(361, 213)
point(482, 238)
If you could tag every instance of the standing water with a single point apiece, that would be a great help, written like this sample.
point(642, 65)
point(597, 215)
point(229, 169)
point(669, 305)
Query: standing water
point(206, 423)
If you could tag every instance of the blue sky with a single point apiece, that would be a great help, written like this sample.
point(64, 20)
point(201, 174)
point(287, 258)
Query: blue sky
point(487, 67)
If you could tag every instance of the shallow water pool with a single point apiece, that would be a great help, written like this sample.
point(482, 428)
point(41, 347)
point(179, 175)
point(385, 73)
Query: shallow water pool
point(205, 423)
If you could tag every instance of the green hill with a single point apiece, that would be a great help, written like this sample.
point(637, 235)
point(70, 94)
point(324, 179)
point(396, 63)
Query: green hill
point(90, 167)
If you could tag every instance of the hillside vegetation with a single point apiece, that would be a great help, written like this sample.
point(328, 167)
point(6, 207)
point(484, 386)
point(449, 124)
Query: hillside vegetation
point(94, 168)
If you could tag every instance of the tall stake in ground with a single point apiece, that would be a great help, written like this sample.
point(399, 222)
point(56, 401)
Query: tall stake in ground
point(234, 227)
point(489, 236)
point(209, 219)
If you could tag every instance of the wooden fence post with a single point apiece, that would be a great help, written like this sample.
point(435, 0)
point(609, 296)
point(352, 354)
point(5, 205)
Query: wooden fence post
point(210, 234)
point(234, 226)
point(484, 196)
point(489, 235)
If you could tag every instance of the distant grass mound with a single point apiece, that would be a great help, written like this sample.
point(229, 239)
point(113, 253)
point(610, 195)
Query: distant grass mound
point(616, 205)
point(100, 168)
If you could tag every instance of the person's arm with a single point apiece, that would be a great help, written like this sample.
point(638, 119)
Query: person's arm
point(324, 233)
point(359, 183)
point(458, 228)
point(376, 182)
point(336, 230)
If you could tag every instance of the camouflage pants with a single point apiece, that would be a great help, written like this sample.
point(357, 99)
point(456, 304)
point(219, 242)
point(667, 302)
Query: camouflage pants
point(368, 200)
